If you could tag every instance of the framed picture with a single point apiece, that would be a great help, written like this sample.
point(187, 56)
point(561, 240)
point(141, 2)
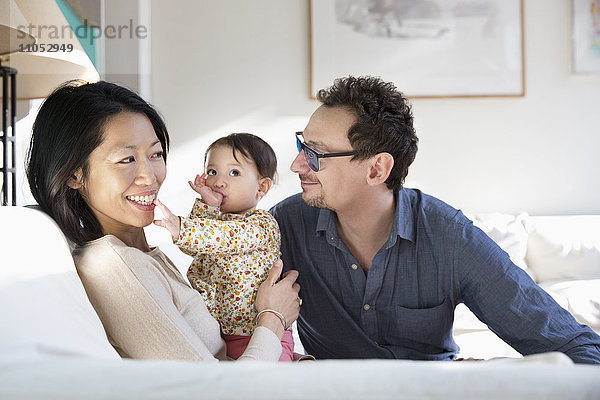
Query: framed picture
point(586, 36)
point(428, 48)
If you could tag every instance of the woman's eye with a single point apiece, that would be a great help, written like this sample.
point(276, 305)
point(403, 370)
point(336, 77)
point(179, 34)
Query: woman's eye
point(234, 172)
point(160, 154)
point(127, 160)
point(211, 172)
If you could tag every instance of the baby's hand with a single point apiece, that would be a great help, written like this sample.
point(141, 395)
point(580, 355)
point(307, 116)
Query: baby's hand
point(170, 221)
point(208, 195)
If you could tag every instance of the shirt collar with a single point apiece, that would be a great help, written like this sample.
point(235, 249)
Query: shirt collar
point(326, 218)
point(403, 224)
point(404, 220)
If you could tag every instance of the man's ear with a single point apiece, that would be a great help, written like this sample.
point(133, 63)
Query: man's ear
point(264, 184)
point(75, 181)
point(380, 168)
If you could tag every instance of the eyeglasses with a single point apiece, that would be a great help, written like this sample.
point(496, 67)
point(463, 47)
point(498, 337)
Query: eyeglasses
point(313, 159)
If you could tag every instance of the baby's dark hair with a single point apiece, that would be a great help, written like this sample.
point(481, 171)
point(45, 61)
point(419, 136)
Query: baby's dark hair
point(250, 146)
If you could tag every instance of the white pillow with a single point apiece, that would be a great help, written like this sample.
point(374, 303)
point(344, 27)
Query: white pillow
point(508, 231)
point(580, 297)
point(42, 301)
point(564, 247)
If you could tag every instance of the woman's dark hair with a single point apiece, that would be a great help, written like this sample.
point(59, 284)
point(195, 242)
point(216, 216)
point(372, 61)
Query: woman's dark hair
point(384, 121)
point(252, 147)
point(68, 128)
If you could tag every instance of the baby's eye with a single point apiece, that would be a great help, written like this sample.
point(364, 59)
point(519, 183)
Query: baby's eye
point(127, 160)
point(234, 172)
point(211, 172)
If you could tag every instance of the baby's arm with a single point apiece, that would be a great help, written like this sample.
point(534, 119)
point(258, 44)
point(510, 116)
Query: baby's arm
point(199, 211)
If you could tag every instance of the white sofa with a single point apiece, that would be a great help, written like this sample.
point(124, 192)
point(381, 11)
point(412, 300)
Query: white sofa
point(52, 344)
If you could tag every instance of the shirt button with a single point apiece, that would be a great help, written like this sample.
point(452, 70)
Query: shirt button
point(367, 307)
point(354, 266)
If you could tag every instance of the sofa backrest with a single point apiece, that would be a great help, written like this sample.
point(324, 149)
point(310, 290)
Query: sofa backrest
point(43, 305)
point(563, 247)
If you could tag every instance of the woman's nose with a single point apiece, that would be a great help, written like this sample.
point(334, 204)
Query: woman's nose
point(299, 165)
point(145, 173)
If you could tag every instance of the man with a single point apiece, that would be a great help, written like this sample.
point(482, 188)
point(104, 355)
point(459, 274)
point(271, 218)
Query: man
point(382, 267)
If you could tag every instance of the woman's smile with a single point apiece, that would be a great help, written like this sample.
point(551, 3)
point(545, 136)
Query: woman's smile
point(143, 200)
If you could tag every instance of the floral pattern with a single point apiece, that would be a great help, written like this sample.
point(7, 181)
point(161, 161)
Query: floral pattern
point(233, 254)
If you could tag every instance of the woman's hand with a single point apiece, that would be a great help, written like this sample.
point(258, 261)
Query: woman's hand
point(280, 296)
point(208, 195)
point(170, 221)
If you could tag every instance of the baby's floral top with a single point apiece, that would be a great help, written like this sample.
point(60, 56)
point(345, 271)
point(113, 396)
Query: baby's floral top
point(233, 254)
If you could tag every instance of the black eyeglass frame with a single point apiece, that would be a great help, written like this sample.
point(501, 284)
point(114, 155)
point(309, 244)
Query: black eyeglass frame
point(308, 152)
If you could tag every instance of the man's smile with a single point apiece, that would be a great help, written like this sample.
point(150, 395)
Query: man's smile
point(304, 180)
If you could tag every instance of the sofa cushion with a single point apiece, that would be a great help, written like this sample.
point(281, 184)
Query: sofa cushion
point(547, 376)
point(564, 247)
point(43, 304)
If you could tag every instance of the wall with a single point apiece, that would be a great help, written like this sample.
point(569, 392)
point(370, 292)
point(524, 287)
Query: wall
point(244, 66)
point(233, 65)
point(537, 153)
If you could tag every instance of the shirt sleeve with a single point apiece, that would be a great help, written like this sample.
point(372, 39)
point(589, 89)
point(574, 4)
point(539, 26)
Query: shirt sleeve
point(199, 210)
point(513, 306)
point(261, 346)
point(203, 210)
point(222, 236)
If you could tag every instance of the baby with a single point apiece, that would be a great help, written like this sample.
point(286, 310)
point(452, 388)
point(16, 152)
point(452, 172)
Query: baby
point(233, 244)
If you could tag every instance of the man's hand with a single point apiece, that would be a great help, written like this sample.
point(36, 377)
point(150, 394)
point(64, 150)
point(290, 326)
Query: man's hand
point(170, 221)
point(208, 195)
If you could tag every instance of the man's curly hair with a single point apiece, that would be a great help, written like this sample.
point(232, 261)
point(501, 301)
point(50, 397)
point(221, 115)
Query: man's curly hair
point(384, 121)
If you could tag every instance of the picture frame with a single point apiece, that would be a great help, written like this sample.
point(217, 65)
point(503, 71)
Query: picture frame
point(586, 36)
point(427, 48)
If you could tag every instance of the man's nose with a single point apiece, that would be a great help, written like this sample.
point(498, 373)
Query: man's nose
point(299, 165)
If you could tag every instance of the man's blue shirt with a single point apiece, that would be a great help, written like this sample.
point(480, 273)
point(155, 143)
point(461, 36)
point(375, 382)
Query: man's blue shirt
point(433, 260)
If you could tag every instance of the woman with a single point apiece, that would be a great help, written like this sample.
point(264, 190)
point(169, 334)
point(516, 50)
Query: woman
point(96, 163)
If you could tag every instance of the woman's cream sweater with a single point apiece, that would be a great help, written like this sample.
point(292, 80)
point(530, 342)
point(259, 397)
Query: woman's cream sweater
point(150, 312)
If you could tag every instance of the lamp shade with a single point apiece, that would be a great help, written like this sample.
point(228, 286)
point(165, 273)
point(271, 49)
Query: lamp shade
point(13, 27)
point(40, 72)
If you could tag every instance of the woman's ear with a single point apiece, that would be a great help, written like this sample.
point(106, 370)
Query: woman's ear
point(380, 168)
point(264, 184)
point(75, 181)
